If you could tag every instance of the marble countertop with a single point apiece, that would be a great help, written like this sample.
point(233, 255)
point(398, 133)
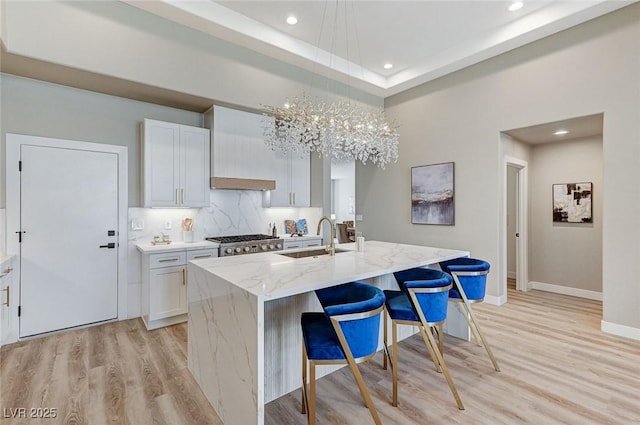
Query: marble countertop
point(271, 275)
point(148, 248)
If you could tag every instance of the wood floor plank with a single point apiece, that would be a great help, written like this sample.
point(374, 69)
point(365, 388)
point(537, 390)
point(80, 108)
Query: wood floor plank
point(557, 368)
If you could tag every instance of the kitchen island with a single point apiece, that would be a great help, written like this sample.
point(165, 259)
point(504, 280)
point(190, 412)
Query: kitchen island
point(244, 338)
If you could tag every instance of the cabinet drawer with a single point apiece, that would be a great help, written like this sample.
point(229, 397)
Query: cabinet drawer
point(201, 253)
point(292, 245)
point(167, 259)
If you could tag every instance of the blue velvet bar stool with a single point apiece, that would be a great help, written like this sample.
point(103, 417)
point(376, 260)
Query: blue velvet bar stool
point(422, 302)
point(347, 332)
point(470, 282)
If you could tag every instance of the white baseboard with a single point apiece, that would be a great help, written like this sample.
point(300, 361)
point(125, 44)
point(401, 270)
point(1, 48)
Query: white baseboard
point(620, 330)
point(566, 290)
point(493, 300)
point(511, 275)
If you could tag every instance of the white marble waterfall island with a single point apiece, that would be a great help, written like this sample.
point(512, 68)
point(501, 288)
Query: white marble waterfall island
point(244, 341)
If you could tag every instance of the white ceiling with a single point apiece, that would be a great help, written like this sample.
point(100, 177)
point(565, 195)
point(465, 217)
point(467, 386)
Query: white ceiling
point(576, 128)
point(423, 39)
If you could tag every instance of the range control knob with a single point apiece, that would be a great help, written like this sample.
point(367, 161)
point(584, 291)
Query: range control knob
point(264, 247)
point(278, 246)
point(238, 249)
point(228, 251)
point(247, 249)
point(271, 246)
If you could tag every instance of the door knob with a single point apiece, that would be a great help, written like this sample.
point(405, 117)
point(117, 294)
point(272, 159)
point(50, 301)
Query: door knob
point(110, 245)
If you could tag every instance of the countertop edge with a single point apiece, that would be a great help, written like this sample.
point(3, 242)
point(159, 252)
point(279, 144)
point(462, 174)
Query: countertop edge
point(148, 248)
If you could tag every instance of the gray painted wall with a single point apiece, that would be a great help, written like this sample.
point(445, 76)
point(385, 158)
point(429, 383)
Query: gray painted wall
point(591, 68)
point(565, 254)
point(42, 109)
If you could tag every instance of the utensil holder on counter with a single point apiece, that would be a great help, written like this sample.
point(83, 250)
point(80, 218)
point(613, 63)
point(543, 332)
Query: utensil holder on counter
point(187, 236)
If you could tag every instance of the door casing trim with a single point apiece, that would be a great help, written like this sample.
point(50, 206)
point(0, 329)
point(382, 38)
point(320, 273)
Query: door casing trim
point(14, 142)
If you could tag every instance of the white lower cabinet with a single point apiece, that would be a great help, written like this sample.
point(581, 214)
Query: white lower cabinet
point(164, 286)
point(302, 242)
point(7, 300)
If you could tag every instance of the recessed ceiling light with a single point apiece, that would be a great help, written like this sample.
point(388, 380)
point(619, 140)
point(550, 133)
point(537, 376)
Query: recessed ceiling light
point(292, 20)
point(388, 65)
point(561, 132)
point(516, 5)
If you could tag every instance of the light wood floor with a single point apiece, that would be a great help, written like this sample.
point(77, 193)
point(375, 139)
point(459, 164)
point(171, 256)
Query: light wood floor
point(557, 368)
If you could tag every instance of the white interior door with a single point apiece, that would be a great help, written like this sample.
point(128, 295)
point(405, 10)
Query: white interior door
point(69, 218)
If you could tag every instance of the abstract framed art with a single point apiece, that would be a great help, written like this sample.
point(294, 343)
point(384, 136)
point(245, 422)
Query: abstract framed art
point(432, 194)
point(572, 203)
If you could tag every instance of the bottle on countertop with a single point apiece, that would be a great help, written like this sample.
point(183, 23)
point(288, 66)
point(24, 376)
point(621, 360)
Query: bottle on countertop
point(274, 231)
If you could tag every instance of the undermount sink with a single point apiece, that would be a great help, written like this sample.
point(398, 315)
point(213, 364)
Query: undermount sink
point(312, 253)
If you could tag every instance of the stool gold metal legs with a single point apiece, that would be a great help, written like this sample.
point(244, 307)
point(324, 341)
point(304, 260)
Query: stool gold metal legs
point(464, 304)
point(434, 351)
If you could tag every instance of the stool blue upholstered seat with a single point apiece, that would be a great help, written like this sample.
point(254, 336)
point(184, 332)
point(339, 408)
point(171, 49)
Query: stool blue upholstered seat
point(422, 302)
point(346, 332)
point(469, 286)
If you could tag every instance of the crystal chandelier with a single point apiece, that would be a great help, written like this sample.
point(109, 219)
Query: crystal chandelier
point(340, 130)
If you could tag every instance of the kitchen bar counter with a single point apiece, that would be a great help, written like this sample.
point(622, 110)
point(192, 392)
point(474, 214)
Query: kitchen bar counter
point(244, 342)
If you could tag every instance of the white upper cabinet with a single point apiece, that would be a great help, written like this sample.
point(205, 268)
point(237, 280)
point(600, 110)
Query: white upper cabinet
point(175, 165)
point(239, 150)
point(292, 181)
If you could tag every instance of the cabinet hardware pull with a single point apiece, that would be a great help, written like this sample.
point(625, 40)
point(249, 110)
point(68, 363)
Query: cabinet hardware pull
point(202, 256)
point(7, 303)
point(294, 198)
point(184, 277)
point(177, 196)
point(164, 260)
point(182, 193)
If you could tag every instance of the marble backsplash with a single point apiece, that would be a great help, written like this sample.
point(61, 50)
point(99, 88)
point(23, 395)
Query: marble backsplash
point(232, 212)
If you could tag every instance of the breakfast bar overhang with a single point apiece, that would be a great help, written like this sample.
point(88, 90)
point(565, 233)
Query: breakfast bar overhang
point(244, 338)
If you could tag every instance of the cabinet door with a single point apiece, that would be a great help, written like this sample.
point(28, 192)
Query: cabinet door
point(7, 298)
point(292, 175)
point(161, 163)
point(300, 180)
point(194, 167)
point(281, 196)
point(167, 292)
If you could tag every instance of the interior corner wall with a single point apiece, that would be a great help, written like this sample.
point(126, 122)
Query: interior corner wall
point(565, 254)
point(591, 68)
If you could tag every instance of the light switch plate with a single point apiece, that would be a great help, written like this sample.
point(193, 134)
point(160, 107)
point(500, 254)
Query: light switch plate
point(358, 217)
point(137, 224)
point(167, 224)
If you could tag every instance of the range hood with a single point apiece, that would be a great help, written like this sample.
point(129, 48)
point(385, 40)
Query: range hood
point(242, 184)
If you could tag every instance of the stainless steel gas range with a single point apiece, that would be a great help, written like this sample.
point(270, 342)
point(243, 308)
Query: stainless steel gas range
point(246, 244)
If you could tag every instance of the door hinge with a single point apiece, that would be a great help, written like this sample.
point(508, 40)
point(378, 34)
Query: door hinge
point(19, 310)
point(20, 236)
point(19, 165)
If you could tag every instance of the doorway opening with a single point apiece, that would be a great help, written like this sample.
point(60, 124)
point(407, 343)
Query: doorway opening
point(516, 248)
